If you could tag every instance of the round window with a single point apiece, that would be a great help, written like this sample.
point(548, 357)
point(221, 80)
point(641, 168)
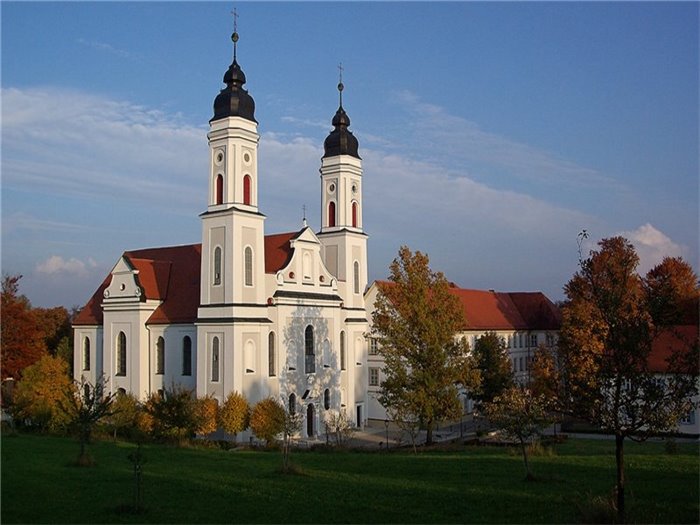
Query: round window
point(331, 188)
point(219, 157)
point(354, 188)
point(246, 157)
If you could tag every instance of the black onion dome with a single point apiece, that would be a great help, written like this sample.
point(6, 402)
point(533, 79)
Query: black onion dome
point(340, 141)
point(233, 100)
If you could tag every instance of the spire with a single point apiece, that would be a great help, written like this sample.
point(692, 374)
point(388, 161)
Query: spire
point(234, 100)
point(340, 141)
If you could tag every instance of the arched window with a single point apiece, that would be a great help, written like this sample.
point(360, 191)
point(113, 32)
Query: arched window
point(186, 356)
point(306, 265)
point(326, 399)
point(246, 189)
point(271, 355)
point(121, 354)
point(248, 265)
point(121, 392)
point(215, 359)
point(292, 404)
point(217, 265)
point(219, 189)
point(354, 215)
point(310, 357)
point(310, 420)
point(249, 357)
point(160, 356)
point(356, 276)
point(342, 350)
point(86, 353)
point(331, 214)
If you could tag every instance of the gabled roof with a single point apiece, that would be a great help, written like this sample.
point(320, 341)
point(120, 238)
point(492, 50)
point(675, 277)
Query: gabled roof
point(490, 310)
point(172, 275)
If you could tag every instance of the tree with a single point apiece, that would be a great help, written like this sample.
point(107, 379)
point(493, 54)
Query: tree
point(611, 321)
point(22, 339)
point(206, 414)
point(267, 419)
point(124, 414)
point(55, 324)
point(39, 394)
point(492, 360)
point(292, 425)
point(521, 415)
point(234, 414)
point(416, 323)
point(85, 405)
point(174, 414)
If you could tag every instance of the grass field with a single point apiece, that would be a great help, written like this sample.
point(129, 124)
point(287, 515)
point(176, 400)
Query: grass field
point(468, 485)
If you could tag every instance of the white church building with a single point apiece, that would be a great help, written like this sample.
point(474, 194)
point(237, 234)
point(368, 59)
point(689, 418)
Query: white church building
point(279, 315)
point(284, 315)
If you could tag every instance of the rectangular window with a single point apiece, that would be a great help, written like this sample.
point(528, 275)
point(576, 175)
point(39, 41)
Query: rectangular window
point(689, 418)
point(533, 340)
point(373, 348)
point(374, 376)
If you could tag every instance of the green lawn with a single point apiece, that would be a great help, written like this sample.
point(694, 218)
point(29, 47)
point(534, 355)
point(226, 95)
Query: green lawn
point(475, 484)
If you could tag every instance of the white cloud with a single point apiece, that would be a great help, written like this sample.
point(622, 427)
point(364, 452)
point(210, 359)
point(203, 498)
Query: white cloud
point(103, 46)
point(58, 265)
point(652, 246)
point(97, 147)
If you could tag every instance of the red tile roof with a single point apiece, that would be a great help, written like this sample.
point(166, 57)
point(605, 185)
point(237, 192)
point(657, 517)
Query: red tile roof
point(489, 310)
point(278, 251)
point(172, 275)
point(679, 339)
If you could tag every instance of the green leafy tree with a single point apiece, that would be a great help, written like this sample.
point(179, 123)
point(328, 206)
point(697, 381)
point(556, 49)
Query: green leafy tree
point(234, 415)
point(85, 405)
point(493, 362)
point(521, 415)
point(124, 415)
point(174, 414)
point(416, 323)
point(267, 419)
point(39, 394)
point(610, 322)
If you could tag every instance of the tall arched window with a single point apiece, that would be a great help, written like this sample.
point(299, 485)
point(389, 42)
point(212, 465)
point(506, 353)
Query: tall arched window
point(310, 357)
point(219, 189)
point(215, 359)
point(248, 265)
point(160, 356)
point(86, 353)
point(186, 356)
point(292, 404)
point(354, 215)
point(356, 276)
point(249, 357)
point(326, 399)
point(121, 354)
point(310, 420)
point(331, 214)
point(342, 350)
point(217, 265)
point(271, 358)
point(246, 189)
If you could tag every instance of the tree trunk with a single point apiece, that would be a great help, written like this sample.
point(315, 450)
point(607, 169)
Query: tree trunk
point(620, 460)
point(429, 433)
point(528, 474)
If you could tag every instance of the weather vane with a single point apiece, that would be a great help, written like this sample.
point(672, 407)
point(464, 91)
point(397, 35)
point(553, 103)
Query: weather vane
point(234, 36)
point(340, 82)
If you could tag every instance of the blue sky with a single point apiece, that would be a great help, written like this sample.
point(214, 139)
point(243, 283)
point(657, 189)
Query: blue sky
point(491, 133)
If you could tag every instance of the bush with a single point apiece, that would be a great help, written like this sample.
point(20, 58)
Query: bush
point(125, 416)
point(267, 419)
point(234, 416)
point(206, 414)
point(174, 415)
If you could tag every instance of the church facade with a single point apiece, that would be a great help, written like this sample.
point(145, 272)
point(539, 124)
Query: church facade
point(280, 315)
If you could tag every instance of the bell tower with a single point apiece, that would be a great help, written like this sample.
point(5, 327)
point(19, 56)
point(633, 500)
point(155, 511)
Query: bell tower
point(232, 227)
point(342, 233)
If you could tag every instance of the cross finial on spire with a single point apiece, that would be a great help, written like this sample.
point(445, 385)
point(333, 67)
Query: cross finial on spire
point(234, 36)
point(340, 82)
